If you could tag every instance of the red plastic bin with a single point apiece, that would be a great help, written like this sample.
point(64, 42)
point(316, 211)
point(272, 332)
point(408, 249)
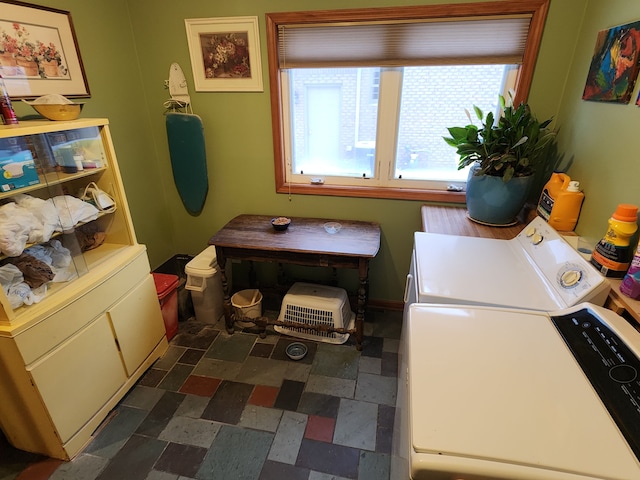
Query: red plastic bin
point(167, 290)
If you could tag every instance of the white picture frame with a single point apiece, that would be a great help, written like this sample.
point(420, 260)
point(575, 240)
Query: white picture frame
point(225, 54)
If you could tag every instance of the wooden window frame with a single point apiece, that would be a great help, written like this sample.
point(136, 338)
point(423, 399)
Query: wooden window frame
point(538, 10)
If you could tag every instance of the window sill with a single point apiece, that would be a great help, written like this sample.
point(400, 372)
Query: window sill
point(374, 192)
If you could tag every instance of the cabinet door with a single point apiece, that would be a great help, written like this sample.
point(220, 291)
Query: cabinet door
point(76, 378)
point(138, 324)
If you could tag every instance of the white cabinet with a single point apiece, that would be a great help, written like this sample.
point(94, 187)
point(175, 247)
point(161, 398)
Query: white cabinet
point(68, 359)
point(60, 372)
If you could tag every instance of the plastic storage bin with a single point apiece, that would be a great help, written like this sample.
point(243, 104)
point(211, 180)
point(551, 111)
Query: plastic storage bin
point(175, 266)
point(203, 280)
point(167, 290)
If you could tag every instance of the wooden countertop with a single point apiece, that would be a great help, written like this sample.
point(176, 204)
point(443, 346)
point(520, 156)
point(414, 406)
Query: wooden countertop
point(454, 221)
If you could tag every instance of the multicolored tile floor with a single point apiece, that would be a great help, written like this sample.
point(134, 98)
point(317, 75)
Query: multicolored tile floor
point(219, 406)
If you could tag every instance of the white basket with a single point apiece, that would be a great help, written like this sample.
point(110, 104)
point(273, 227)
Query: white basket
point(316, 305)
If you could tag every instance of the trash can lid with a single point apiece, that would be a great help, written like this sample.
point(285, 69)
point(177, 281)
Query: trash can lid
point(204, 264)
point(165, 283)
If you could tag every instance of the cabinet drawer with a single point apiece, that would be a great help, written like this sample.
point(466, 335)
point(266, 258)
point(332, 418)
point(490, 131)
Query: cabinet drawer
point(77, 378)
point(45, 335)
point(138, 324)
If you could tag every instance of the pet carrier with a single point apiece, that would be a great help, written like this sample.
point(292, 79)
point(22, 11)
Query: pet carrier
point(316, 305)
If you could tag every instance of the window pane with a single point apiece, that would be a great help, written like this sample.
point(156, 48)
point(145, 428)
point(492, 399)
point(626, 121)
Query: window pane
point(434, 98)
point(333, 120)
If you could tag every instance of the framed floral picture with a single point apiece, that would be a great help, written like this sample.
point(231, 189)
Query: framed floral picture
point(39, 53)
point(225, 54)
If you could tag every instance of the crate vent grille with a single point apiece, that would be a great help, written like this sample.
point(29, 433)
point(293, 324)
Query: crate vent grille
point(316, 305)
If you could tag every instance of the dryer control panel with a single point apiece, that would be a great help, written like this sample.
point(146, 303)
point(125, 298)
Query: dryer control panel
point(610, 365)
point(573, 279)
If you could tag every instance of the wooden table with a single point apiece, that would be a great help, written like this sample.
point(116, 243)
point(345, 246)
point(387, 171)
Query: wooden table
point(305, 242)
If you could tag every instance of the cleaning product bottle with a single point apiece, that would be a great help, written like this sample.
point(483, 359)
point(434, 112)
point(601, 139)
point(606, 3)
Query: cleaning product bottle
point(612, 255)
point(630, 285)
point(6, 110)
point(560, 202)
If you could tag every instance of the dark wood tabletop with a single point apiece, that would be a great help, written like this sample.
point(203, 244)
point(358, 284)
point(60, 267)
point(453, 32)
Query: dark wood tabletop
point(304, 235)
point(304, 242)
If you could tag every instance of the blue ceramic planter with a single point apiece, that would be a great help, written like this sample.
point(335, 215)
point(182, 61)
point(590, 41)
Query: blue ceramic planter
point(491, 201)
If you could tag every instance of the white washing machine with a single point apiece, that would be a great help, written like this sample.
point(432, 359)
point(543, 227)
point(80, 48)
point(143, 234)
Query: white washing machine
point(537, 270)
point(504, 393)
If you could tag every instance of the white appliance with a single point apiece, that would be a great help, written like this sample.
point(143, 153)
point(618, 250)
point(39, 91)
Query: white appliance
point(536, 270)
point(504, 393)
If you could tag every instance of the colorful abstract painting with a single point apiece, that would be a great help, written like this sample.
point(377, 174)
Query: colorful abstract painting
point(615, 64)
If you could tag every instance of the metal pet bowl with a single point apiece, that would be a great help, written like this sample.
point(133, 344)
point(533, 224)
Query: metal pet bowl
point(296, 351)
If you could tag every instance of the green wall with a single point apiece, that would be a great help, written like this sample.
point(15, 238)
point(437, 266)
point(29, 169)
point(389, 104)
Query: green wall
point(129, 45)
point(603, 139)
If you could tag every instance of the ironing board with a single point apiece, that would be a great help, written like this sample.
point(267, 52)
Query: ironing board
point(186, 145)
point(188, 159)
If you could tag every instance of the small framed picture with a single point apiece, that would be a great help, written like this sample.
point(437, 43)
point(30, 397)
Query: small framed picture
point(225, 54)
point(39, 52)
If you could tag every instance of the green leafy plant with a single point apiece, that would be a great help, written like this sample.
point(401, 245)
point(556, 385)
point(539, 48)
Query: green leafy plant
point(517, 145)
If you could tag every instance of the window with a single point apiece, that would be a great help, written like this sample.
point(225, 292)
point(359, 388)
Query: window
point(361, 98)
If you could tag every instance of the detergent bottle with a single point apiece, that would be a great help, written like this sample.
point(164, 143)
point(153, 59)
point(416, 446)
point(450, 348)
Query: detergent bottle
point(612, 254)
point(560, 202)
point(630, 285)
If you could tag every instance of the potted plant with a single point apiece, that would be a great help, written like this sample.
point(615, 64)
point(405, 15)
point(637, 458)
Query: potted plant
point(506, 158)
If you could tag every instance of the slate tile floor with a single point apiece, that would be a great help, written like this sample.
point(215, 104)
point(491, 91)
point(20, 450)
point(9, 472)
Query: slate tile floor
point(219, 406)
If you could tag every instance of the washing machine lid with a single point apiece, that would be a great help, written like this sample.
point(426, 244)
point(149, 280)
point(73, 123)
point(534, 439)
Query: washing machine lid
point(497, 390)
point(478, 271)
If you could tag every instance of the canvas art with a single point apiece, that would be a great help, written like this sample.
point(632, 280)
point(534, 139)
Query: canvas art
point(614, 67)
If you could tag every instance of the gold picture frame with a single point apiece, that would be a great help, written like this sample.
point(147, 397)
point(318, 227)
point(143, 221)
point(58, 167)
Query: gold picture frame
point(39, 52)
point(225, 54)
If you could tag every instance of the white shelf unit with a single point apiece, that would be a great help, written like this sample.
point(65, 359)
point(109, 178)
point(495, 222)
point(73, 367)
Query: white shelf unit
point(66, 361)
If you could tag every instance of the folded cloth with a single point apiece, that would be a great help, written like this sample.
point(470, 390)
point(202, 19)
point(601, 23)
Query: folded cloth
point(90, 236)
point(36, 272)
point(15, 224)
point(71, 211)
point(57, 256)
point(44, 212)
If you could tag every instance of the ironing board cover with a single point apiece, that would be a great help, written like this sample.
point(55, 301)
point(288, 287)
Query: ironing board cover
point(188, 159)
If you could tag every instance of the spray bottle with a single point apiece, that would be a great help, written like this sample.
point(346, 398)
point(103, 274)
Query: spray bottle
point(612, 255)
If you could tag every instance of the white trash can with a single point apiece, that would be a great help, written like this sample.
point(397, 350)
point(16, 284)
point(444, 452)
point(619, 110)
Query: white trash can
point(205, 284)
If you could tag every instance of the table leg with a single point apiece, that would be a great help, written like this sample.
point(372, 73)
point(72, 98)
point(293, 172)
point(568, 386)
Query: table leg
point(226, 289)
point(253, 277)
point(363, 291)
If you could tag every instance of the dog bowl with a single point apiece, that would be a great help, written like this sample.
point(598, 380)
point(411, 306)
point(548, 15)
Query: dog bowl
point(280, 223)
point(332, 227)
point(296, 350)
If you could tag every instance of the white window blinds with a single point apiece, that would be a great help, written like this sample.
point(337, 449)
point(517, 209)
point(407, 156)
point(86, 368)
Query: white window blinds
point(478, 40)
